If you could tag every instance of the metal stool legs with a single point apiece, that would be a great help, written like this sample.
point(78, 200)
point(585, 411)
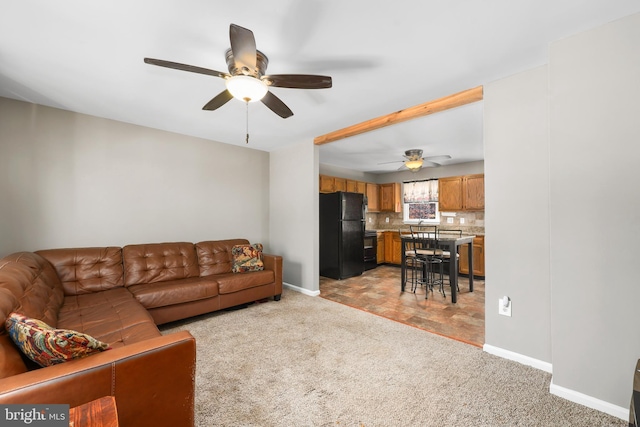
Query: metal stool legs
point(433, 275)
point(415, 272)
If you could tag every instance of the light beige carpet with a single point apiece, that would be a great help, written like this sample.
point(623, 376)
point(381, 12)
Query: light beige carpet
point(307, 361)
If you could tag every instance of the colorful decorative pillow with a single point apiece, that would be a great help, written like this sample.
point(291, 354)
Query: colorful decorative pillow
point(48, 346)
point(247, 258)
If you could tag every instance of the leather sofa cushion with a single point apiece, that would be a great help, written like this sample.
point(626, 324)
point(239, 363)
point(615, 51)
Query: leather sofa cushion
point(214, 256)
point(154, 295)
point(28, 285)
point(86, 270)
point(159, 262)
point(113, 316)
point(12, 361)
point(234, 282)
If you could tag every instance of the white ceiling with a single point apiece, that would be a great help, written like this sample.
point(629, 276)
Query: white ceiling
point(87, 57)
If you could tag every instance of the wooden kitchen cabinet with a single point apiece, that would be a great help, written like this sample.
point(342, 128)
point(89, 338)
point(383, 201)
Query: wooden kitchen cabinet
point(478, 258)
point(392, 247)
point(473, 197)
point(450, 194)
point(396, 248)
point(373, 197)
point(356, 186)
point(380, 259)
point(331, 184)
point(461, 193)
point(390, 198)
point(327, 184)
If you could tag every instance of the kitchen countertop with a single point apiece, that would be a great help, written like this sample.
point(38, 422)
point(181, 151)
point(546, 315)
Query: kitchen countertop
point(468, 231)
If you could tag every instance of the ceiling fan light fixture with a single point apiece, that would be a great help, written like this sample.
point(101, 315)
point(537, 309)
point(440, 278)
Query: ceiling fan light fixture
point(413, 165)
point(246, 88)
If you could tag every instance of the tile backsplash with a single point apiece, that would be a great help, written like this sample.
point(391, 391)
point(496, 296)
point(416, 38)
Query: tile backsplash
point(473, 222)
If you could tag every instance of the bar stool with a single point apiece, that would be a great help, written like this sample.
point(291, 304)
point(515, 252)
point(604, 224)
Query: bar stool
point(430, 256)
point(413, 266)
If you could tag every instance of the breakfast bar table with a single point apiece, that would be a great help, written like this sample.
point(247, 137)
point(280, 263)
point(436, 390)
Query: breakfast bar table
point(451, 243)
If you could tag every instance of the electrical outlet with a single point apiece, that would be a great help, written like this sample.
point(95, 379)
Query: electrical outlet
point(387, 219)
point(461, 220)
point(504, 306)
point(370, 221)
point(449, 220)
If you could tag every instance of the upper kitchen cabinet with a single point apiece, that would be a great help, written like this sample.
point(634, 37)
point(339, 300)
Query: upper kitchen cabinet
point(331, 184)
point(390, 198)
point(461, 193)
point(327, 184)
point(373, 197)
point(473, 192)
point(356, 186)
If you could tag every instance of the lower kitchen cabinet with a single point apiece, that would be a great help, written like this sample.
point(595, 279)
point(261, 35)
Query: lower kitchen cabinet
point(392, 247)
point(478, 257)
point(380, 249)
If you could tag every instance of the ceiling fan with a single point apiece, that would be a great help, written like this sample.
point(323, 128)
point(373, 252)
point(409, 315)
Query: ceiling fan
point(246, 79)
point(415, 161)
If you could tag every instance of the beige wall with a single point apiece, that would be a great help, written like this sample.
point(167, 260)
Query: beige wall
point(517, 214)
point(594, 92)
point(294, 210)
point(561, 155)
point(70, 180)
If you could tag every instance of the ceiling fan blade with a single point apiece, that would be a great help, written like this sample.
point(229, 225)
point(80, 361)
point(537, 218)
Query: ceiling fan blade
point(218, 101)
point(444, 157)
point(403, 167)
point(386, 163)
point(185, 67)
point(276, 105)
point(428, 164)
point(243, 47)
point(298, 81)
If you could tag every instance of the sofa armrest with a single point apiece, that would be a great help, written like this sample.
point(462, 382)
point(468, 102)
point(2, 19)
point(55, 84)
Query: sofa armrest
point(274, 262)
point(153, 382)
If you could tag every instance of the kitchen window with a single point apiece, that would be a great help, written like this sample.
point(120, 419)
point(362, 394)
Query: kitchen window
point(420, 202)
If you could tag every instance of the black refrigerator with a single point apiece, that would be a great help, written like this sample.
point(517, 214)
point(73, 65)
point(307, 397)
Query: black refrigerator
point(342, 224)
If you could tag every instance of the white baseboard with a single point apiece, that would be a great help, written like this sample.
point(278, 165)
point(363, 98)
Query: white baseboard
point(589, 402)
point(301, 290)
point(565, 393)
point(517, 357)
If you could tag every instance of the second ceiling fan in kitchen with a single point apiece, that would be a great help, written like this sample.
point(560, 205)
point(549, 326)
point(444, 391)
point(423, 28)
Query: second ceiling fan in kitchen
point(414, 160)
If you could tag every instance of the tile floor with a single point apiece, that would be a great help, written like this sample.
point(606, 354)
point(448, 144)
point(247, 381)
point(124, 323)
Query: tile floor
point(378, 291)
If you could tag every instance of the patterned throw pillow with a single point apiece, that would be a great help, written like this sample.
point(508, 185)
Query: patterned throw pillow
point(48, 346)
point(247, 258)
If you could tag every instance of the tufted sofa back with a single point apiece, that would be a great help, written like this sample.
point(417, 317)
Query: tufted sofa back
point(87, 270)
point(159, 262)
point(214, 256)
point(28, 285)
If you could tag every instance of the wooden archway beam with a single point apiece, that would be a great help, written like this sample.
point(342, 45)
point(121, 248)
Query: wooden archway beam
point(445, 103)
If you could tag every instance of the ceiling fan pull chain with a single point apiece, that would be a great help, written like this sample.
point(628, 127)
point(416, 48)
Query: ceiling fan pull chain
point(247, 140)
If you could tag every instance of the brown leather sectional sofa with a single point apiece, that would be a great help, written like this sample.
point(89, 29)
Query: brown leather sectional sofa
point(119, 295)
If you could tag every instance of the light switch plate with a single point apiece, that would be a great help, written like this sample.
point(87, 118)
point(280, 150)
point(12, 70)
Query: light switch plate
point(449, 220)
point(461, 220)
